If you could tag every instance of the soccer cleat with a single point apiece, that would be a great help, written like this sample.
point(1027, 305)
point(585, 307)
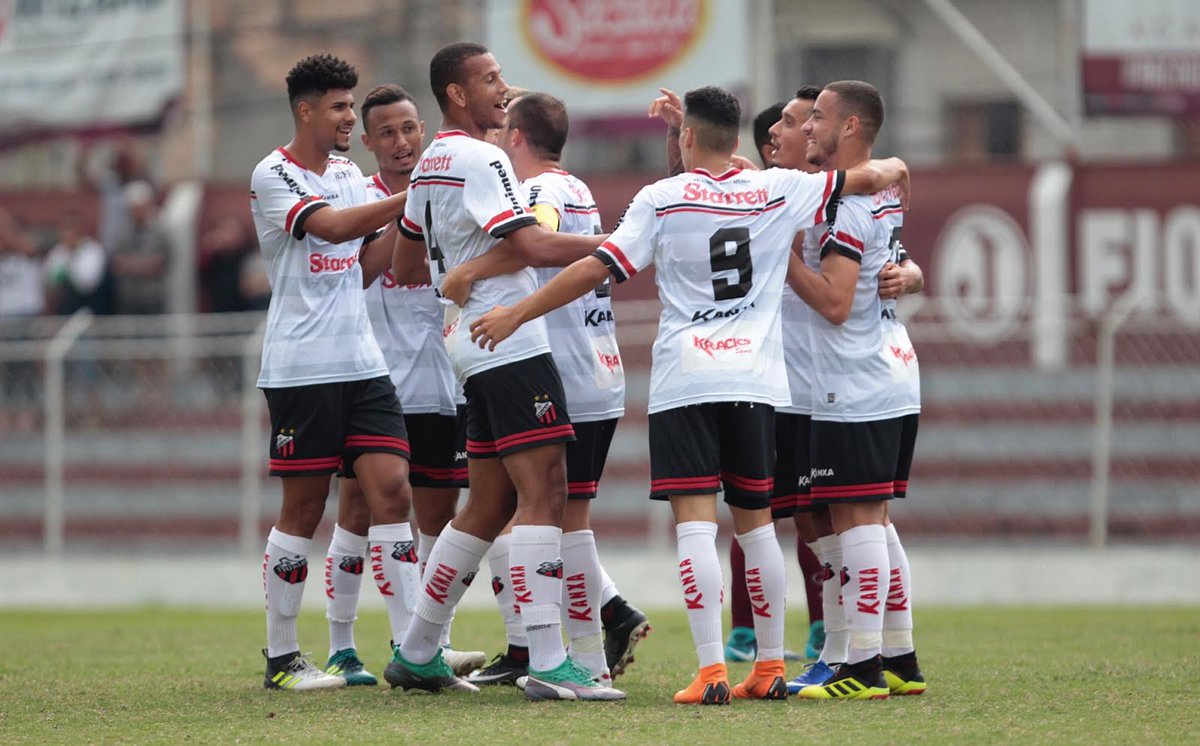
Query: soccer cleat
point(792, 655)
point(295, 671)
point(741, 645)
point(463, 662)
point(903, 675)
point(852, 681)
point(568, 681)
point(814, 674)
point(345, 663)
point(766, 681)
point(502, 670)
point(710, 687)
point(816, 640)
point(432, 676)
point(625, 629)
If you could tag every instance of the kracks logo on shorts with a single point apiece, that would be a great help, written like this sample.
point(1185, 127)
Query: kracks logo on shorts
point(292, 570)
point(403, 551)
point(602, 41)
point(285, 442)
point(543, 409)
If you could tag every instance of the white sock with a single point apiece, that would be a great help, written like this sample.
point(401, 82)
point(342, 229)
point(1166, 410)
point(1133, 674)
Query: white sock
point(837, 637)
point(700, 574)
point(343, 580)
point(897, 613)
point(285, 568)
point(394, 565)
point(815, 548)
point(580, 601)
point(535, 567)
point(452, 565)
point(497, 557)
point(865, 558)
point(766, 581)
point(424, 547)
point(608, 589)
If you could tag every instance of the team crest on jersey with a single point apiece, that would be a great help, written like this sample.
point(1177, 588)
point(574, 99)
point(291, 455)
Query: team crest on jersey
point(292, 569)
point(552, 569)
point(543, 409)
point(285, 442)
point(404, 551)
point(352, 565)
point(468, 578)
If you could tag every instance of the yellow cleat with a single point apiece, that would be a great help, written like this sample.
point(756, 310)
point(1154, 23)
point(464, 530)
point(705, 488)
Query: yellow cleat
point(859, 681)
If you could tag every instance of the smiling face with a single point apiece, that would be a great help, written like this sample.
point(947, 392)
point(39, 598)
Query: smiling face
point(331, 119)
point(787, 138)
point(484, 91)
point(394, 134)
point(823, 129)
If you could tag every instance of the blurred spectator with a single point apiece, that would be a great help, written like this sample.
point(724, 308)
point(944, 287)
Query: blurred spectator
point(229, 279)
point(76, 271)
point(124, 167)
point(21, 297)
point(140, 256)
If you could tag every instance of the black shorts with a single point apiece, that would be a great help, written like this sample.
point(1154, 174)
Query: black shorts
point(514, 407)
point(586, 457)
point(855, 462)
point(439, 459)
point(696, 449)
point(790, 495)
point(322, 428)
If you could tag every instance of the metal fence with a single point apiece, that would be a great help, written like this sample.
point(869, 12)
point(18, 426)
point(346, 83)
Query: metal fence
point(148, 433)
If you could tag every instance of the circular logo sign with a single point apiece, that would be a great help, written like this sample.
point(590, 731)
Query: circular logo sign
point(604, 41)
point(981, 259)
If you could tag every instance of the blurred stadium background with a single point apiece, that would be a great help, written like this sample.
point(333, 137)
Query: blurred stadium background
point(1056, 151)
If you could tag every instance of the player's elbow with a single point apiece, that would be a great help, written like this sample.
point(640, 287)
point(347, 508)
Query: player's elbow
point(836, 312)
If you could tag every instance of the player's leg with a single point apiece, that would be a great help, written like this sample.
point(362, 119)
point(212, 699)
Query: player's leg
point(305, 450)
point(808, 555)
point(900, 667)
point(748, 455)
point(513, 663)
point(344, 566)
point(741, 645)
point(836, 636)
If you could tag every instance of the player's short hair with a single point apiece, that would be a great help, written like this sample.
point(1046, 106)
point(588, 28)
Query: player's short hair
point(719, 113)
point(862, 100)
point(763, 121)
point(807, 93)
point(446, 67)
point(318, 74)
point(542, 118)
point(383, 95)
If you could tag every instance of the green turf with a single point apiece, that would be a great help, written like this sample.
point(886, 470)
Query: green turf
point(1036, 676)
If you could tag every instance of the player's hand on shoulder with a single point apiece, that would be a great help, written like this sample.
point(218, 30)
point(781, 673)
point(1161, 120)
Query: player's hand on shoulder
point(494, 327)
point(456, 286)
point(744, 163)
point(669, 107)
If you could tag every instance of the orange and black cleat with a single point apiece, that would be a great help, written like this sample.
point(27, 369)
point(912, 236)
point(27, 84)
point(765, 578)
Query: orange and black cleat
point(766, 681)
point(710, 687)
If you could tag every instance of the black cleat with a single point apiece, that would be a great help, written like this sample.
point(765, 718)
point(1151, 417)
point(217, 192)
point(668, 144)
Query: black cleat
point(624, 627)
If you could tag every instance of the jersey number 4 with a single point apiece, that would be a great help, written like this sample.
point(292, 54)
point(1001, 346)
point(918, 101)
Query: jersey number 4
point(723, 260)
point(435, 252)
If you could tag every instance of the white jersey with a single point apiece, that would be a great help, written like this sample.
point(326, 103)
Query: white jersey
point(317, 326)
point(720, 245)
point(407, 320)
point(462, 199)
point(583, 336)
point(865, 369)
point(797, 331)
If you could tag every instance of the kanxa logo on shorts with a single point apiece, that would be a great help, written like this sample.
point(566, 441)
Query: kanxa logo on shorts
point(404, 551)
point(292, 569)
point(543, 409)
point(352, 565)
point(468, 578)
point(497, 585)
point(552, 569)
point(285, 442)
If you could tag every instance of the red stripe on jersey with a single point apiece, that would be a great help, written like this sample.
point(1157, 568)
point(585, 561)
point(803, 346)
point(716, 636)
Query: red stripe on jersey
point(450, 133)
point(733, 171)
point(290, 157)
point(287, 223)
point(619, 255)
point(381, 186)
point(893, 211)
point(849, 240)
point(410, 225)
point(830, 177)
point(437, 182)
point(579, 211)
point(711, 211)
point(498, 219)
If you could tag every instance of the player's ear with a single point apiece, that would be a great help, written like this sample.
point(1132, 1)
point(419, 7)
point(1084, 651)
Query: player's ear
point(852, 125)
point(686, 137)
point(366, 141)
point(304, 110)
point(456, 94)
point(421, 129)
point(737, 143)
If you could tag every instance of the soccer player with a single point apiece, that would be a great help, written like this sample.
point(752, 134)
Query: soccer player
point(866, 399)
point(331, 403)
point(463, 199)
point(720, 237)
point(406, 319)
point(583, 339)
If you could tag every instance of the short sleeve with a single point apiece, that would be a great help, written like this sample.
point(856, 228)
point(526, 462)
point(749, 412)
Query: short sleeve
point(282, 198)
point(811, 198)
point(546, 205)
point(849, 231)
point(410, 221)
point(493, 198)
point(630, 248)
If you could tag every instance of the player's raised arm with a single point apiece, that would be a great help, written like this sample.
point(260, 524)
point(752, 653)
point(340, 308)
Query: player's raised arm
point(497, 325)
point(875, 175)
point(669, 107)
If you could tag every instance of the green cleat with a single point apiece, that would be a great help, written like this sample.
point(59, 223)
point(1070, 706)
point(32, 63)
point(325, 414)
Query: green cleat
point(432, 676)
point(345, 663)
point(571, 681)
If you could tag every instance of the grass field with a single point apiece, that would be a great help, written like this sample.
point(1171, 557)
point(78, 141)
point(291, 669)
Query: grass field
point(1037, 676)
